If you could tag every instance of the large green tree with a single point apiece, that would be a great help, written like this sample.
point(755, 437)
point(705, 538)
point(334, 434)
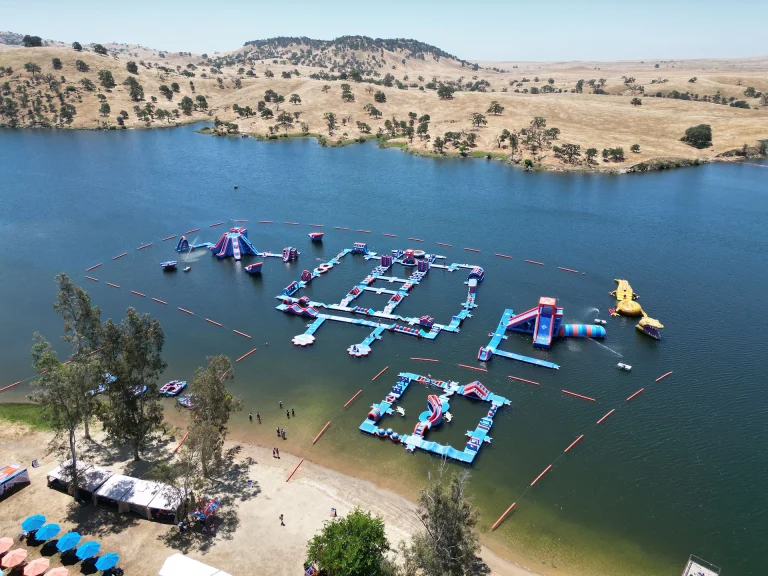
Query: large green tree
point(445, 92)
point(698, 136)
point(106, 79)
point(131, 352)
point(186, 105)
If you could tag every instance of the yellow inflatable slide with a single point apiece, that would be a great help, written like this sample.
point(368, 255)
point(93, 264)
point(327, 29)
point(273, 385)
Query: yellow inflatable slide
point(626, 305)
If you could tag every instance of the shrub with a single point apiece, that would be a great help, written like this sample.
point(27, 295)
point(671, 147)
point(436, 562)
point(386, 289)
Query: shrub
point(698, 136)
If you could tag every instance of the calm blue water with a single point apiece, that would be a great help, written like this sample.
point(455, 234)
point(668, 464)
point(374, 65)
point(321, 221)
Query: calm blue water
point(679, 470)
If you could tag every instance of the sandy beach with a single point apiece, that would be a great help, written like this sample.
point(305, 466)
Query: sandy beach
point(250, 539)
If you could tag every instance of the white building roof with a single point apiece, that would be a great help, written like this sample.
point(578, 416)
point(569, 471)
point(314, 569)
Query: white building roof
point(180, 565)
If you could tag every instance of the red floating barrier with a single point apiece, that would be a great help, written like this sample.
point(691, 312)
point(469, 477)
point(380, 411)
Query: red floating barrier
point(120, 256)
point(193, 230)
point(352, 399)
point(425, 359)
point(416, 239)
point(573, 443)
point(316, 225)
point(444, 244)
point(380, 373)
point(472, 368)
point(340, 228)
point(92, 268)
point(92, 278)
point(265, 221)
point(214, 225)
point(241, 333)
point(186, 311)
point(495, 524)
point(239, 220)
point(67, 362)
point(113, 285)
point(144, 246)
point(471, 249)
point(635, 394)
point(138, 293)
point(212, 322)
point(321, 432)
point(160, 301)
point(606, 416)
point(568, 270)
point(578, 396)
point(390, 235)
point(503, 256)
point(10, 386)
point(169, 238)
point(294, 470)
point(365, 231)
point(534, 262)
point(180, 443)
point(246, 355)
point(291, 223)
point(547, 469)
point(660, 378)
point(524, 380)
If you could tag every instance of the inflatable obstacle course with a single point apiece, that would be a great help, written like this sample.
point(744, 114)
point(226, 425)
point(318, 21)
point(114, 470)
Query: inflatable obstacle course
point(626, 305)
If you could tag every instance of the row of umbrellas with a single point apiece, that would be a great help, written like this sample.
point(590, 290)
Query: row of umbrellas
point(66, 543)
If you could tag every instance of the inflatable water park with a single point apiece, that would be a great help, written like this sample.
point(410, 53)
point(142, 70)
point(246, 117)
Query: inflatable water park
point(415, 263)
point(627, 305)
point(437, 412)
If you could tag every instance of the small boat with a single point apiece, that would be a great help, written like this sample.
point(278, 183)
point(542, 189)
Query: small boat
point(169, 265)
point(188, 268)
point(173, 388)
point(600, 321)
point(139, 390)
point(186, 401)
point(622, 366)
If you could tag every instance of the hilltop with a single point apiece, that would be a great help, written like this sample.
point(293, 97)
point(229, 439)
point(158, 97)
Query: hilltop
point(404, 92)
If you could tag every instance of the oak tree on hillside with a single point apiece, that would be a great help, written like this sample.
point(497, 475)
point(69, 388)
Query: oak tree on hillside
point(32, 41)
point(105, 109)
point(77, 46)
point(106, 79)
point(81, 66)
point(636, 102)
point(330, 120)
point(445, 92)
point(380, 97)
point(99, 49)
point(478, 120)
point(135, 90)
point(186, 105)
point(295, 99)
point(495, 108)
point(131, 67)
point(56, 63)
point(698, 136)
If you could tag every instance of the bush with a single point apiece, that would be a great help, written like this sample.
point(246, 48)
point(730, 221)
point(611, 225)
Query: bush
point(635, 148)
point(131, 67)
point(99, 49)
point(739, 104)
point(380, 97)
point(698, 136)
point(56, 63)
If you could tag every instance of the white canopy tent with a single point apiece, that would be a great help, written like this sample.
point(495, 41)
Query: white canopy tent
point(166, 502)
point(180, 565)
point(138, 497)
point(113, 490)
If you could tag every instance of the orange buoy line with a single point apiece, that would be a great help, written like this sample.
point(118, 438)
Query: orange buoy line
point(169, 237)
point(212, 322)
point(390, 235)
point(113, 285)
point(216, 224)
point(180, 443)
point(365, 231)
point(92, 268)
point(241, 333)
point(606, 416)
point(340, 228)
point(508, 510)
point(144, 246)
point(635, 394)
point(547, 469)
point(321, 432)
point(578, 395)
point(246, 355)
point(472, 368)
point(186, 311)
point(353, 397)
point(92, 278)
point(660, 378)
point(573, 443)
point(503, 256)
point(291, 223)
point(524, 380)
point(193, 230)
point(568, 270)
point(471, 249)
point(265, 221)
point(416, 239)
point(425, 359)
point(443, 244)
point(535, 262)
point(316, 225)
point(380, 373)
point(160, 301)
point(138, 293)
point(239, 220)
point(3, 389)
point(294, 470)
point(120, 256)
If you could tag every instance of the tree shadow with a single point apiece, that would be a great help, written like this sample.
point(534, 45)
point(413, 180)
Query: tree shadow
point(98, 520)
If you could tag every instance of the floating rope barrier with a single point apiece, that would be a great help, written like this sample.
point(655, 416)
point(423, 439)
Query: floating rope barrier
point(193, 230)
point(471, 249)
point(113, 285)
point(380, 373)
point(244, 356)
point(180, 443)
point(523, 380)
point(340, 228)
point(578, 395)
point(10, 386)
point(353, 398)
point(241, 333)
point(501, 518)
point(294, 470)
point(169, 238)
point(444, 244)
point(144, 246)
point(426, 359)
point(635, 394)
point(216, 224)
point(212, 321)
point(606, 416)
point(92, 278)
point(186, 311)
point(416, 239)
point(265, 221)
point(316, 225)
point(138, 293)
point(92, 268)
point(503, 256)
point(365, 231)
point(547, 469)
point(568, 270)
point(472, 368)
point(389, 235)
point(660, 378)
point(535, 262)
point(573, 444)
point(291, 223)
point(120, 256)
point(321, 432)
point(239, 220)
point(160, 301)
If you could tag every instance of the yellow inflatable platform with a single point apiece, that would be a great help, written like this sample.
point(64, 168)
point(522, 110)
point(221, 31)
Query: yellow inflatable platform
point(627, 306)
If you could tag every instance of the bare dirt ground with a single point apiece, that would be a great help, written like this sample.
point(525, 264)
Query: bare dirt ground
point(250, 539)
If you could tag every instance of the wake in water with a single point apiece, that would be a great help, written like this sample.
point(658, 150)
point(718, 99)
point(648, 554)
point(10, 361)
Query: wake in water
point(606, 347)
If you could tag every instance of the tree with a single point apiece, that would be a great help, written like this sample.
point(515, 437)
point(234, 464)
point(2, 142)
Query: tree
point(131, 352)
point(739, 104)
point(325, 88)
point(266, 113)
point(330, 120)
point(175, 86)
point(56, 63)
point(165, 91)
point(201, 102)
point(295, 99)
point(568, 152)
point(186, 105)
point(380, 97)
point(351, 546)
point(438, 145)
point(698, 136)
point(363, 127)
point(135, 90)
point(106, 79)
point(580, 86)
point(445, 92)
point(67, 113)
point(81, 66)
point(449, 544)
point(99, 49)
point(131, 67)
point(87, 84)
point(32, 68)
point(591, 155)
point(495, 108)
point(285, 119)
point(478, 120)
point(105, 109)
point(750, 92)
point(635, 148)
point(636, 102)
point(77, 46)
point(32, 41)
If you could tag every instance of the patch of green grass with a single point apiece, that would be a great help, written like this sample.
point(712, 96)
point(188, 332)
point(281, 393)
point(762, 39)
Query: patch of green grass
point(29, 414)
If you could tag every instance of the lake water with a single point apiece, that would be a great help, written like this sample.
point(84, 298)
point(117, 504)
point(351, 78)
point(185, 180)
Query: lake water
point(681, 469)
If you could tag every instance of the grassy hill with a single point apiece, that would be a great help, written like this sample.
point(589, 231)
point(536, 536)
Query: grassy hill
point(412, 95)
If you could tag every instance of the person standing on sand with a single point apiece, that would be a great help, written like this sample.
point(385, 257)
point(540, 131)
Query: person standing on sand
point(281, 520)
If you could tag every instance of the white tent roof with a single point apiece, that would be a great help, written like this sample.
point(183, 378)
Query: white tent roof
point(141, 493)
point(94, 477)
point(166, 499)
point(58, 473)
point(180, 565)
point(116, 487)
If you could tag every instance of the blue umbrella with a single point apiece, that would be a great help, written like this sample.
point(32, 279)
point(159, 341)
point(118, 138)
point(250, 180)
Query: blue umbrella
point(47, 532)
point(68, 541)
point(87, 550)
point(109, 560)
point(33, 523)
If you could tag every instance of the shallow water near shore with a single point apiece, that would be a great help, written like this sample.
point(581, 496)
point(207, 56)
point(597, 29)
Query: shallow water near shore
point(678, 470)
